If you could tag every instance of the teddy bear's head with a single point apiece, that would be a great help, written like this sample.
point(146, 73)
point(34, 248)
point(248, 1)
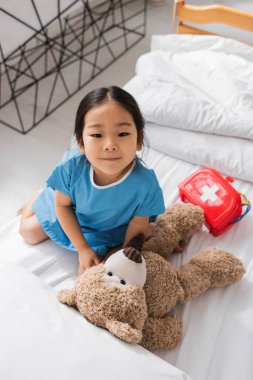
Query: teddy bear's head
point(110, 295)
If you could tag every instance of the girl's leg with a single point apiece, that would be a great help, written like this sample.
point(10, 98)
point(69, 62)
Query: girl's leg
point(30, 228)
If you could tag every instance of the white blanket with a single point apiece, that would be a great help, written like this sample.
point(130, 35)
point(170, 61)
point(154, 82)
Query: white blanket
point(44, 340)
point(196, 93)
point(207, 90)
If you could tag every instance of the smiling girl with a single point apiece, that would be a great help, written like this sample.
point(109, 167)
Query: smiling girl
point(101, 194)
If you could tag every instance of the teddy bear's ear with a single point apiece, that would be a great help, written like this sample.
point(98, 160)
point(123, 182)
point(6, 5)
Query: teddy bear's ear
point(67, 296)
point(137, 241)
point(124, 331)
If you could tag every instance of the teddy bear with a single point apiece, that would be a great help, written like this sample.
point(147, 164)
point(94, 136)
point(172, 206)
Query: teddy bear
point(132, 294)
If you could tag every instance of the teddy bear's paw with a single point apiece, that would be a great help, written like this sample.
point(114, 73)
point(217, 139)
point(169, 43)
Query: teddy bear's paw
point(163, 332)
point(221, 266)
point(124, 331)
point(67, 296)
point(173, 227)
point(186, 217)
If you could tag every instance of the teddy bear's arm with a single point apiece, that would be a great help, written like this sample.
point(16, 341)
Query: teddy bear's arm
point(124, 331)
point(177, 224)
point(163, 332)
point(67, 296)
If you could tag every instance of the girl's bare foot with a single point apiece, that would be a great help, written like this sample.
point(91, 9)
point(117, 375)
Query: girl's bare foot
point(25, 205)
point(21, 209)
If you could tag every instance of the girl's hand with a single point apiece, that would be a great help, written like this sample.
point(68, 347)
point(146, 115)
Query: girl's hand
point(87, 259)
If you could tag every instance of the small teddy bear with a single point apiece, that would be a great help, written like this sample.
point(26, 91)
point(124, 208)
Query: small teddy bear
point(132, 294)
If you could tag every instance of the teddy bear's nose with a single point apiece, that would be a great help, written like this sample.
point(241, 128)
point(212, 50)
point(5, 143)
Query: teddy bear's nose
point(133, 254)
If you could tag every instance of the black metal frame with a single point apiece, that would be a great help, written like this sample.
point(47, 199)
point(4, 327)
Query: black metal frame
point(66, 53)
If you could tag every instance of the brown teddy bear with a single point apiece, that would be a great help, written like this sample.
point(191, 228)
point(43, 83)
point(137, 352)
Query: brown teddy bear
point(132, 294)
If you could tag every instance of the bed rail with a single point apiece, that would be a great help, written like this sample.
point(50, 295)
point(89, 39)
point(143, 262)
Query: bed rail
point(219, 14)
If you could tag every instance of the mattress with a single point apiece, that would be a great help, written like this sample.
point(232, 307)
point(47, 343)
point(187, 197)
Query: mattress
point(218, 327)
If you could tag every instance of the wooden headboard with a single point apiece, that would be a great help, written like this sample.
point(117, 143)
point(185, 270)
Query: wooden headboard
point(218, 14)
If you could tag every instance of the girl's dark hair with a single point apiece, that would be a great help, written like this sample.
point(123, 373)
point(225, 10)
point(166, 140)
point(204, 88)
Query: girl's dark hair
point(99, 96)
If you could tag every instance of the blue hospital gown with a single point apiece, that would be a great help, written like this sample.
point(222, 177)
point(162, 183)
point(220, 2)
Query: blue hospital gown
point(103, 212)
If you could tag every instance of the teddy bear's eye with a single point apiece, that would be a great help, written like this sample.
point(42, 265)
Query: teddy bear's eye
point(109, 273)
point(123, 282)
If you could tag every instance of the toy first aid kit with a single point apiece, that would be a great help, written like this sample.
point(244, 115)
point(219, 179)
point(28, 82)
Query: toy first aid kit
point(221, 203)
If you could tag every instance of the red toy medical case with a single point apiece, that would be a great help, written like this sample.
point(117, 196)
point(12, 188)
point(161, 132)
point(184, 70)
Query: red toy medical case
point(221, 203)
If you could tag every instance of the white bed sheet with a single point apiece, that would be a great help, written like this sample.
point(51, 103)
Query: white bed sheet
point(44, 340)
point(218, 326)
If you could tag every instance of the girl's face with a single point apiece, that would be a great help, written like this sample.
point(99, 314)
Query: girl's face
point(110, 141)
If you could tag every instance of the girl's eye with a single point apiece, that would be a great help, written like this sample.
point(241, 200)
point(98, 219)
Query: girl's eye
point(122, 134)
point(96, 135)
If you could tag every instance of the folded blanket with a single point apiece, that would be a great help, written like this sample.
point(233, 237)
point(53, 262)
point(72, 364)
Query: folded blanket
point(196, 94)
point(208, 89)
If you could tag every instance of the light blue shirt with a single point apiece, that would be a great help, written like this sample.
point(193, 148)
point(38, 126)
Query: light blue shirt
point(103, 212)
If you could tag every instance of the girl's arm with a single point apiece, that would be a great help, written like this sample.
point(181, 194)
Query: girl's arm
point(71, 227)
point(138, 224)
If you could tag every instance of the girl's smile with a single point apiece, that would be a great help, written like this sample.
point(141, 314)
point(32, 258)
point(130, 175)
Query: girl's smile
point(110, 158)
point(110, 141)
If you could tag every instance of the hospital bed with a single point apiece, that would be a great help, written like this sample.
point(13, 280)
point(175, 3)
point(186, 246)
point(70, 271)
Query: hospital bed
point(196, 93)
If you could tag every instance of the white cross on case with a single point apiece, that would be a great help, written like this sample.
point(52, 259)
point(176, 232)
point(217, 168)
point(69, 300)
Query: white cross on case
point(209, 193)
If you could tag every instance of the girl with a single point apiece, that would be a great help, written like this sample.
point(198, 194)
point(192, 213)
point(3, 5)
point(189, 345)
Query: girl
point(100, 195)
